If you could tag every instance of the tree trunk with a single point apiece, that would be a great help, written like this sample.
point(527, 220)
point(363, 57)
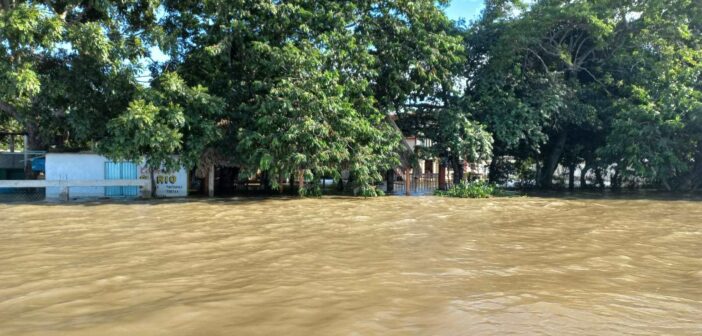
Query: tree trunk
point(492, 173)
point(583, 175)
point(33, 137)
point(616, 184)
point(571, 177)
point(693, 179)
point(152, 177)
point(292, 184)
point(390, 181)
point(265, 181)
point(442, 175)
point(599, 179)
point(457, 170)
point(340, 185)
point(12, 143)
point(301, 179)
point(551, 162)
point(696, 174)
point(9, 110)
point(211, 181)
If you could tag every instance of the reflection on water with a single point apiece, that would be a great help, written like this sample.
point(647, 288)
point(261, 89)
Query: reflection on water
point(340, 266)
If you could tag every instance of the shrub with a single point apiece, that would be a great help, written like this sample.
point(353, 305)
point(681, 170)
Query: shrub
point(476, 189)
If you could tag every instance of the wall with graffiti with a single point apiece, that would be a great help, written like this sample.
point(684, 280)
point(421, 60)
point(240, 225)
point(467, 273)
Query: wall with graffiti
point(168, 183)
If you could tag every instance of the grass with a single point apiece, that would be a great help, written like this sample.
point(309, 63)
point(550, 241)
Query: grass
point(475, 189)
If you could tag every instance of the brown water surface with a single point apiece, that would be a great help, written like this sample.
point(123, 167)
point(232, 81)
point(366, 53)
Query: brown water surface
point(341, 266)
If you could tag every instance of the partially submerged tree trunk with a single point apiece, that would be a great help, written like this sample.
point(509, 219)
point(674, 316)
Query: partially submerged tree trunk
point(583, 175)
point(301, 179)
point(599, 180)
point(442, 175)
point(457, 170)
point(493, 173)
point(292, 184)
point(571, 177)
point(616, 182)
point(693, 179)
point(551, 162)
point(265, 181)
point(152, 177)
point(390, 181)
point(340, 185)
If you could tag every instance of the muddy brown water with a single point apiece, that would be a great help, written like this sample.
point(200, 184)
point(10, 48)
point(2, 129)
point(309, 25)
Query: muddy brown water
point(344, 266)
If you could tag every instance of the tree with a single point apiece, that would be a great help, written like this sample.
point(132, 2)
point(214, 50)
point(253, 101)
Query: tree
point(167, 126)
point(541, 81)
point(67, 67)
point(656, 129)
point(308, 85)
point(453, 135)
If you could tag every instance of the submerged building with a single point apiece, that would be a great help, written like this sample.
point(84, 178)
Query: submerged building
point(95, 167)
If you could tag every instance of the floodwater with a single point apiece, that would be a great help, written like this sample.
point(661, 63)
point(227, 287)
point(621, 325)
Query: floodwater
point(344, 266)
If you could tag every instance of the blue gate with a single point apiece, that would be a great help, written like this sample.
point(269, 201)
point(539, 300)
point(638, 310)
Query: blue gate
point(121, 171)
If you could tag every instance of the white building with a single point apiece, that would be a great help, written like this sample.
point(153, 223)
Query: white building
point(88, 166)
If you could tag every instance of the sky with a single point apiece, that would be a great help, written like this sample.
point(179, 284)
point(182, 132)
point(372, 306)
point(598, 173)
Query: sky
point(464, 9)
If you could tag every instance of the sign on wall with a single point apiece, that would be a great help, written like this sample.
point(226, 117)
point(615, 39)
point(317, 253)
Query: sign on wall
point(168, 184)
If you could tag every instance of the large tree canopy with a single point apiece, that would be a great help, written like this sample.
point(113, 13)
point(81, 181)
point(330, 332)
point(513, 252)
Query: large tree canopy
point(612, 83)
point(312, 88)
point(309, 84)
point(68, 67)
point(656, 129)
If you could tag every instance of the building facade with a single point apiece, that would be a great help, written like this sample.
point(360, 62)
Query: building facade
point(90, 166)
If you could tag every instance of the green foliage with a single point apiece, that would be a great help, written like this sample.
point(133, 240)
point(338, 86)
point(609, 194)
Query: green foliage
point(68, 67)
point(287, 87)
point(169, 125)
point(308, 122)
point(465, 189)
point(656, 131)
point(308, 85)
point(145, 129)
point(611, 83)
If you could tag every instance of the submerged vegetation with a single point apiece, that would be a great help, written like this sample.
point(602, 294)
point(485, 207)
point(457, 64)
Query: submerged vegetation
point(306, 89)
point(465, 189)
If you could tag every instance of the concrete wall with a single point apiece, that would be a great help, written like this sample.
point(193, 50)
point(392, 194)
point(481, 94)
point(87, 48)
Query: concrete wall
point(64, 166)
point(75, 167)
point(168, 184)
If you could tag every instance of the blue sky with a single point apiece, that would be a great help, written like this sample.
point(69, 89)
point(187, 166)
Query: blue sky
point(465, 9)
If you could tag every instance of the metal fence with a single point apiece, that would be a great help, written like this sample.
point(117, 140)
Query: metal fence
point(421, 184)
point(20, 166)
point(22, 195)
